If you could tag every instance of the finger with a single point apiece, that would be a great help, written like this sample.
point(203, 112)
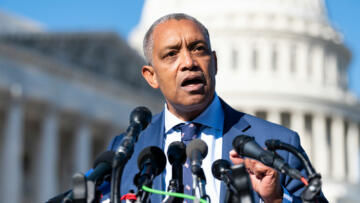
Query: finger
point(235, 158)
point(249, 165)
point(260, 170)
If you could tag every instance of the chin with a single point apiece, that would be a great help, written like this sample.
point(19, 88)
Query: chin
point(197, 101)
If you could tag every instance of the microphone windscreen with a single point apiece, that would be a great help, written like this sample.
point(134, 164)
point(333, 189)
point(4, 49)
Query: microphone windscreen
point(141, 115)
point(197, 145)
point(219, 167)
point(177, 152)
point(155, 155)
point(105, 157)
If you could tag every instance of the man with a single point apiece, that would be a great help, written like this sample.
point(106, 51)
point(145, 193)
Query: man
point(183, 66)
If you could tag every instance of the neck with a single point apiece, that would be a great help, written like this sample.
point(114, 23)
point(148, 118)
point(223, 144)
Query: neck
point(187, 113)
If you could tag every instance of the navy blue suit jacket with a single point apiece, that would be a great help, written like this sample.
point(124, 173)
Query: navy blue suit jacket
point(235, 123)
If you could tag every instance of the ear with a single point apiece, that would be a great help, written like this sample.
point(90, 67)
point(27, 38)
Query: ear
point(150, 76)
point(215, 61)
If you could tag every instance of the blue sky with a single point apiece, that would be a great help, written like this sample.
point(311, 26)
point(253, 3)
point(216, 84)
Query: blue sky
point(122, 15)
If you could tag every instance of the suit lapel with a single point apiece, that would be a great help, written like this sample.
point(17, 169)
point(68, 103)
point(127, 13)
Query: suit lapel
point(234, 124)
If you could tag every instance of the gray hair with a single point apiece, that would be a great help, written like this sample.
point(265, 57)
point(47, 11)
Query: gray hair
point(148, 39)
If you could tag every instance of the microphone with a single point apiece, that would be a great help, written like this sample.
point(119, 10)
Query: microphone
point(140, 117)
point(236, 179)
point(196, 150)
point(221, 170)
point(177, 156)
point(102, 165)
point(151, 162)
point(246, 146)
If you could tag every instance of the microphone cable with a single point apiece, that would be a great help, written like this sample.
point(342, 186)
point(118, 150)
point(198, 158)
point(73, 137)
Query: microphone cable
point(313, 183)
point(173, 194)
point(278, 145)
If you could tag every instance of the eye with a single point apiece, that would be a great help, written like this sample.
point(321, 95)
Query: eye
point(170, 54)
point(200, 48)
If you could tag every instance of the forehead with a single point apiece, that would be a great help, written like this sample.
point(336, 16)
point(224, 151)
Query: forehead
point(173, 31)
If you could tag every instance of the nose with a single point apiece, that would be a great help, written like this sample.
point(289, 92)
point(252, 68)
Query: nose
point(187, 60)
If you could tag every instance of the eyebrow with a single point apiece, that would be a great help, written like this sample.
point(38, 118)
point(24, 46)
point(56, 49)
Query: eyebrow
point(191, 45)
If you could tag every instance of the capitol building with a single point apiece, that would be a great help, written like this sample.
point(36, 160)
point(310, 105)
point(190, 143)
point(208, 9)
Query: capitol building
point(283, 61)
point(63, 95)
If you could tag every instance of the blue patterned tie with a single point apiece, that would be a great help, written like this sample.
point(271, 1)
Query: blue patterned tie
point(188, 132)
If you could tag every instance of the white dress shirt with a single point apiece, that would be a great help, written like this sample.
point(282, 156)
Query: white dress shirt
point(212, 120)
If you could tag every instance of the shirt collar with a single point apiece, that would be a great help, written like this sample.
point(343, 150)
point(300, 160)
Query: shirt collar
point(213, 116)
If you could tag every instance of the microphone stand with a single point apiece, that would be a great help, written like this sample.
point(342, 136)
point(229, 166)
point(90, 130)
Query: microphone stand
point(122, 156)
point(175, 184)
point(199, 180)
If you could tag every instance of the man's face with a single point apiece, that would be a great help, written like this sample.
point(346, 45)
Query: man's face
point(183, 66)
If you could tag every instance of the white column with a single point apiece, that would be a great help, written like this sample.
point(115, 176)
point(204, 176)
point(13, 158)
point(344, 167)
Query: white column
point(338, 148)
point(274, 116)
point(320, 147)
point(298, 124)
point(47, 167)
point(12, 149)
point(353, 148)
point(83, 148)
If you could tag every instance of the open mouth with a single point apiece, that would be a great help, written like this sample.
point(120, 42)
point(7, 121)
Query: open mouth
point(193, 80)
point(194, 84)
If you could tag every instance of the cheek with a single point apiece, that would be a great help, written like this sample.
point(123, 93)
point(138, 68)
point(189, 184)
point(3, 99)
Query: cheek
point(167, 81)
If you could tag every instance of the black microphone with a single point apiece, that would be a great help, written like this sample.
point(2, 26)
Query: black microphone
point(151, 162)
point(196, 150)
point(177, 156)
point(140, 117)
point(221, 170)
point(236, 179)
point(246, 146)
point(102, 165)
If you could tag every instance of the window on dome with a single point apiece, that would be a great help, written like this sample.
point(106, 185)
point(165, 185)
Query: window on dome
point(293, 58)
point(274, 58)
point(255, 59)
point(234, 58)
point(309, 62)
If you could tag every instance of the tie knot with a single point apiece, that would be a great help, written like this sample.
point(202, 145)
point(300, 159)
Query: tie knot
point(188, 131)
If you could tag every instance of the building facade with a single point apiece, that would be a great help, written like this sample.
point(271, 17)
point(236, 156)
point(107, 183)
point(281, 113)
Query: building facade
point(63, 96)
point(283, 61)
